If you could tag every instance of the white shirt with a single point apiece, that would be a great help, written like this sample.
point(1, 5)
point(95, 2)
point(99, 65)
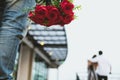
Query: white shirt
point(103, 65)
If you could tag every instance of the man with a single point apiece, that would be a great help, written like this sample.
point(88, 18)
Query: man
point(104, 67)
point(12, 29)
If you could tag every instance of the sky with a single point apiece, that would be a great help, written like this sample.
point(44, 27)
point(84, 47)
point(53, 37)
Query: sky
point(97, 27)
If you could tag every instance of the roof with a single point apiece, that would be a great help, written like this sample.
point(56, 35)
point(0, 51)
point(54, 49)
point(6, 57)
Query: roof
point(51, 40)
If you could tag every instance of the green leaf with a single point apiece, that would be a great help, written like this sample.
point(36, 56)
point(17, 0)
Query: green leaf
point(70, 1)
point(55, 2)
point(77, 7)
point(75, 17)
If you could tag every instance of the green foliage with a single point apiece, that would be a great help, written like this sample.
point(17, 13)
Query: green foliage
point(71, 1)
point(75, 17)
point(55, 2)
point(77, 7)
point(38, 1)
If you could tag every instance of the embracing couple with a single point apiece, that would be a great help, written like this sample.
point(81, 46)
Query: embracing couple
point(98, 67)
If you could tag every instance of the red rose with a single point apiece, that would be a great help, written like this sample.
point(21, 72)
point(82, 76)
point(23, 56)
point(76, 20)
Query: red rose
point(66, 6)
point(60, 21)
point(34, 18)
point(53, 13)
point(68, 18)
point(41, 11)
point(31, 14)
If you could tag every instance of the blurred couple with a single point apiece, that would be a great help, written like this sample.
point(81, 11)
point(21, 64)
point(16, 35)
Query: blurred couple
point(98, 67)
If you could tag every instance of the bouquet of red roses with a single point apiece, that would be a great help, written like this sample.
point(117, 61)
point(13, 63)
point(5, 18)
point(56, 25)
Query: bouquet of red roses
point(52, 12)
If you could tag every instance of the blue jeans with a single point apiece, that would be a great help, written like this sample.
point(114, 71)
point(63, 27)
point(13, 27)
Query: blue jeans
point(13, 28)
